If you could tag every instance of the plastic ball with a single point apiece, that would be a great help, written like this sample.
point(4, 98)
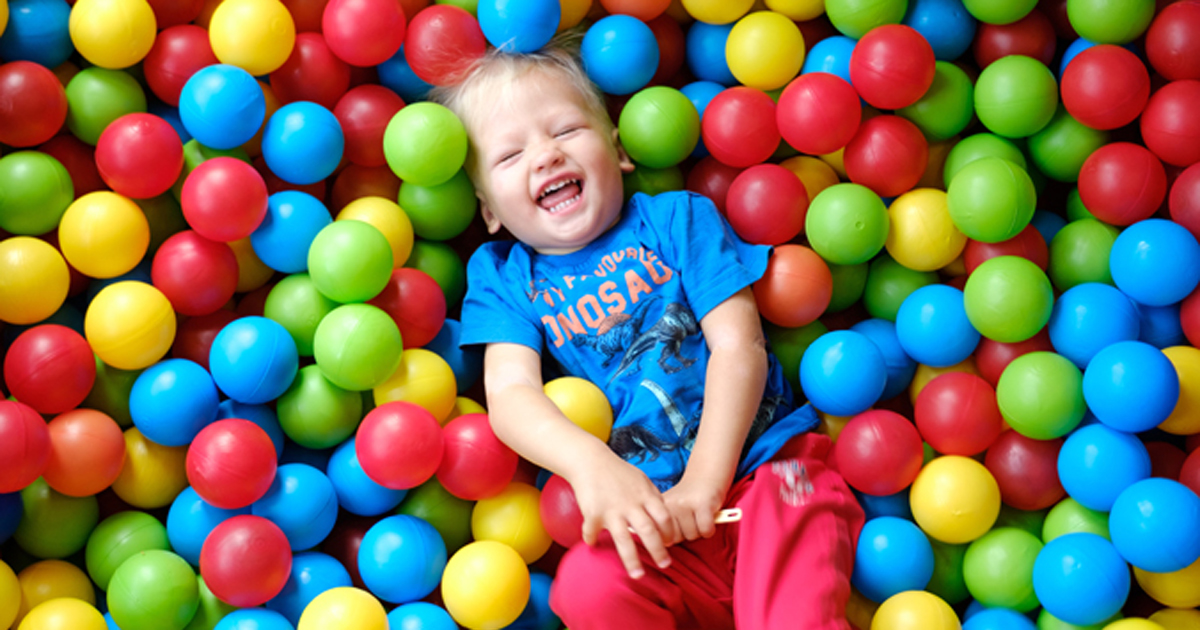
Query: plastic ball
point(190, 520)
point(955, 499)
point(888, 155)
point(37, 191)
point(486, 585)
point(922, 236)
point(881, 332)
point(255, 35)
point(1097, 463)
point(559, 512)
point(998, 569)
point(96, 97)
point(35, 104)
point(991, 199)
point(583, 403)
point(1040, 395)
point(893, 556)
point(739, 127)
point(172, 401)
point(356, 492)
point(350, 261)
point(1032, 35)
point(933, 327)
point(231, 463)
point(439, 212)
point(1185, 417)
point(1008, 299)
point(1105, 23)
point(1170, 42)
point(50, 368)
point(879, 452)
point(766, 204)
point(818, 113)
point(311, 73)
point(44, 581)
point(513, 518)
point(254, 619)
point(765, 50)
point(716, 12)
point(36, 280)
point(796, 287)
point(978, 146)
point(87, 452)
point(475, 464)
point(363, 32)
point(1060, 149)
point(1184, 200)
point(153, 589)
point(1165, 131)
point(892, 66)
point(224, 199)
point(441, 44)
point(292, 221)
point(303, 142)
point(946, 24)
point(659, 127)
point(112, 34)
point(388, 218)
point(423, 378)
point(1131, 386)
point(64, 612)
point(317, 414)
point(1069, 517)
point(1080, 579)
point(1015, 96)
point(1105, 87)
point(253, 360)
point(364, 113)
point(415, 303)
point(425, 144)
point(831, 55)
point(1153, 524)
point(1027, 470)
point(998, 619)
point(104, 234)
point(911, 610)
point(38, 31)
point(196, 274)
point(422, 616)
point(826, 369)
point(245, 560)
point(130, 325)
point(1089, 317)
point(344, 608)
point(222, 106)
point(153, 474)
point(357, 346)
point(520, 27)
point(312, 574)
point(1139, 256)
point(847, 224)
point(856, 18)
point(401, 559)
point(1178, 589)
point(400, 445)
point(179, 52)
point(1029, 244)
point(947, 107)
point(956, 414)
point(120, 537)
point(1122, 183)
point(302, 502)
point(26, 445)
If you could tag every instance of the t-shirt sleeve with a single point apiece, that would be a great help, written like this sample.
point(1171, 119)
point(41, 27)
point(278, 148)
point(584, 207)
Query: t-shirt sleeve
point(492, 311)
point(713, 262)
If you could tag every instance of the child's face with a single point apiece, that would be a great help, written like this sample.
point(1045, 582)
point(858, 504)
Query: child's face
point(545, 169)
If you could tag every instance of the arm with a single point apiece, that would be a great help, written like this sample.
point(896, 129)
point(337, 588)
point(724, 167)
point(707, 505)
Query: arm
point(612, 494)
point(733, 389)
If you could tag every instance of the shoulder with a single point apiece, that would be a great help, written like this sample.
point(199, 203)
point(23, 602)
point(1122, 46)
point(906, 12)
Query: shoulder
point(670, 208)
point(497, 258)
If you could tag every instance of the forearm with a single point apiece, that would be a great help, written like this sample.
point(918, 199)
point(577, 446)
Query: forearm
point(734, 384)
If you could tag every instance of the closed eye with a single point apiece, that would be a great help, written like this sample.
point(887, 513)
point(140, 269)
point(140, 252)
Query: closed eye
point(507, 157)
point(566, 132)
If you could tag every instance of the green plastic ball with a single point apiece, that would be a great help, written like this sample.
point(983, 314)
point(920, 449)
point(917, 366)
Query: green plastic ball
point(847, 224)
point(998, 569)
point(119, 538)
point(999, 11)
point(659, 127)
point(35, 190)
point(357, 346)
point(1061, 147)
point(849, 281)
point(947, 107)
point(1016, 96)
point(1046, 621)
point(425, 143)
point(97, 96)
point(153, 590)
point(442, 211)
point(165, 217)
point(978, 146)
point(210, 611)
point(54, 525)
point(1027, 520)
point(1040, 395)
point(1008, 299)
point(853, 18)
point(296, 304)
point(1069, 517)
point(350, 261)
point(947, 581)
point(1075, 208)
point(1079, 253)
point(991, 200)
point(449, 515)
point(195, 154)
point(317, 414)
point(444, 265)
point(889, 283)
point(1110, 21)
point(111, 392)
point(652, 181)
point(788, 345)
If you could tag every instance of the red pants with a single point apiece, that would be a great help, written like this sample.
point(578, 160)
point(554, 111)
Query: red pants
point(786, 564)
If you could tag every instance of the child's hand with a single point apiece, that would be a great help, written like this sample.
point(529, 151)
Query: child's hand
point(620, 498)
point(694, 504)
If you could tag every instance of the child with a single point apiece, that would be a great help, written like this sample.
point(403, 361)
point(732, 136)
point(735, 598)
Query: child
point(651, 301)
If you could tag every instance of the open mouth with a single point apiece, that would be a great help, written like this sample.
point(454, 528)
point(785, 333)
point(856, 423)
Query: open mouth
point(558, 196)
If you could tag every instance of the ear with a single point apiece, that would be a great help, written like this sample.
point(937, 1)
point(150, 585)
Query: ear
point(489, 218)
point(623, 158)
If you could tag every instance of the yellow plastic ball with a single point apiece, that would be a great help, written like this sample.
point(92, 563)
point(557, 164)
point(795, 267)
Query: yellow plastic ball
point(389, 219)
point(832, 425)
point(1133, 623)
point(860, 610)
point(3, 15)
point(798, 10)
point(344, 608)
point(130, 325)
point(955, 499)
point(153, 474)
point(104, 234)
point(485, 585)
point(252, 272)
point(956, 268)
point(582, 403)
point(206, 13)
point(423, 378)
point(33, 280)
point(765, 50)
point(836, 161)
point(1177, 618)
point(463, 406)
point(113, 34)
point(922, 236)
point(915, 610)
point(513, 518)
point(717, 11)
point(254, 35)
point(1185, 419)
point(815, 174)
point(1178, 589)
point(253, 146)
point(51, 579)
point(925, 373)
point(573, 12)
point(10, 592)
point(64, 613)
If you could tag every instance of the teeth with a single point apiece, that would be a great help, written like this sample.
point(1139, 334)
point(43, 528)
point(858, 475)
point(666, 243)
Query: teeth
point(563, 204)
point(557, 186)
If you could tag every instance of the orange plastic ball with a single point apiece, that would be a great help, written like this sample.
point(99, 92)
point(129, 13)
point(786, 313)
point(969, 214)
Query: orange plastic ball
point(796, 288)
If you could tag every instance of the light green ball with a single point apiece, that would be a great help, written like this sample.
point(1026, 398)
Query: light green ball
point(652, 181)
point(853, 18)
point(54, 525)
point(991, 200)
point(1061, 147)
point(297, 305)
point(441, 211)
point(847, 224)
point(210, 611)
point(425, 143)
point(1079, 253)
point(998, 569)
point(350, 261)
point(659, 127)
point(1008, 299)
point(999, 11)
point(153, 590)
point(35, 190)
point(1110, 21)
point(357, 346)
point(1040, 395)
point(97, 96)
point(1069, 517)
point(1046, 621)
point(978, 146)
point(448, 514)
point(947, 106)
point(317, 414)
point(1016, 96)
point(119, 538)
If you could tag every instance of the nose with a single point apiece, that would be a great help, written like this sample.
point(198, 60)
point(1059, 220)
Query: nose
point(549, 155)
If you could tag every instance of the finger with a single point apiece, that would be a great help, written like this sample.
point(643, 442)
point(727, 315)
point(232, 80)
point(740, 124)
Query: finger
point(706, 524)
point(647, 531)
point(591, 530)
point(687, 525)
point(665, 520)
point(626, 549)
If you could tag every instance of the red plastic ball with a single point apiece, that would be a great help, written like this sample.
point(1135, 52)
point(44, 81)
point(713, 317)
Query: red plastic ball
point(766, 204)
point(1189, 474)
point(1032, 36)
point(1189, 317)
point(887, 155)
point(1170, 127)
point(796, 287)
point(991, 357)
point(879, 452)
point(560, 512)
point(1122, 183)
point(739, 127)
point(253, 303)
point(50, 368)
point(1027, 244)
point(644, 10)
point(246, 560)
point(139, 155)
point(306, 14)
point(672, 48)
point(1166, 460)
point(1184, 200)
point(957, 414)
point(80, 161)
point(311, 73)
point(177, 54)
point(356, 182)
point(87, 452)
point(399, 445)
point(1056, 10)
point(170, 13)
point(195, 335)
point(1173, 41)
point(364, 114)
point(892, 66)
point(24, 446)
point(364, 32)
point(818, 113)
point(224, 199)
point(416, 303)
point(231, 463)
point(33, 104)
point(476, 464)
point(711, 178)
point(442, 43)
point(1026, 470)
point(196, 274)
point(1105, 87)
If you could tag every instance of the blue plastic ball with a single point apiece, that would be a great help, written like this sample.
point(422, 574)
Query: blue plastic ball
point(701, 93)
point(1072, 51)
point(420, 616)
point(946, 25)
point(999, 619)
point(1160, 326)
point(396, 75)
point(843, 373)
point(189, 522)
point(900, 366)
point(171, 401)
point(521, 26)
point(356, 492)
point(973, 609)
point(262, 415)
point(1081, 579)
point(705, 50)
point(11, 511)
point(466, 363)
point(312, 573)
point(108, 621)
point(253, 360)
point(303, 143)
point(302, 502)
point(37, 31)
point(293, 220)
point(1097, 463)
point(537, 614)
point(1155, 262)
point(620, 54)
point(254, 619)
point(401, 559)
point(873, 506)
point(1089, 317)
point(893, 556)
point(222, 106)
point(1047, 224)
point(1155, 525)
point(171, 115)
point(830, 55)
point(1131, 386)
point(933, 328)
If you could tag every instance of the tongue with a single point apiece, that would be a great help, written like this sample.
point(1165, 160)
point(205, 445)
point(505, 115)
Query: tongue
point(559, 196)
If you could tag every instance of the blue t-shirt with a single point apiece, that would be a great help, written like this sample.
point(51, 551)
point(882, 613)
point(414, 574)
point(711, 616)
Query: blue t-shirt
point(624, 313)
